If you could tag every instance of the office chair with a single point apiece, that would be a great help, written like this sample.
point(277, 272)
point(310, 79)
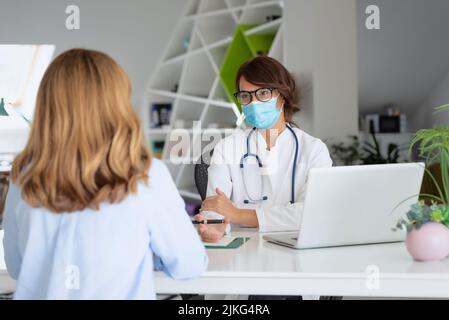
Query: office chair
point(201, 173)
point(201, 184)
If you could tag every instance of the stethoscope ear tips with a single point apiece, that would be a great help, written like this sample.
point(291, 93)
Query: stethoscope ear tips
point(245, 201)
point(264, 198)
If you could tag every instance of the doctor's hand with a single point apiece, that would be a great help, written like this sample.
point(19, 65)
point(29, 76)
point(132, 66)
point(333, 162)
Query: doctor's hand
point(221, 204)
point(211, 232)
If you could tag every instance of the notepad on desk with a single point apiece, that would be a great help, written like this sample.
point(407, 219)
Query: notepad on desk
point(227, 243)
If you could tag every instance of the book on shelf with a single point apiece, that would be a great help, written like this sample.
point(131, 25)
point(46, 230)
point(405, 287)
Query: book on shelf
point(157, 147)
point(160, 114)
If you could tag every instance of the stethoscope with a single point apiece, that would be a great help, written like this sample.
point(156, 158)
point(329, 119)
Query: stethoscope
point(248, 155)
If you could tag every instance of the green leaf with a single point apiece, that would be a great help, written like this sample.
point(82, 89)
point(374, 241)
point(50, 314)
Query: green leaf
point(437, 216)
point(442, 108)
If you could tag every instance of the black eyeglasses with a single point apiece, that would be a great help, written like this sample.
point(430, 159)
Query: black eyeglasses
point(261, 94)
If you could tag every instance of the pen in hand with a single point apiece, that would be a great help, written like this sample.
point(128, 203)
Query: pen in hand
point(210, 221)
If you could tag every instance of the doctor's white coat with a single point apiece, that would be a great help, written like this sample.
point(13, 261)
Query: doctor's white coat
point(274, 180)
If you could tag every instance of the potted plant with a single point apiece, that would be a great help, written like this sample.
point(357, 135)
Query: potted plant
point(355, 153)
point(346, 154)
point(427, 224)
point(427, 231)
point(372, 154)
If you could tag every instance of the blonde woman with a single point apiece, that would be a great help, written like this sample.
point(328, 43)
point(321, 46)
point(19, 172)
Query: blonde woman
point(89, 213)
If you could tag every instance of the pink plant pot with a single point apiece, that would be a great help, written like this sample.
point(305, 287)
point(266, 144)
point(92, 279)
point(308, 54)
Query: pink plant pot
point(430, 242)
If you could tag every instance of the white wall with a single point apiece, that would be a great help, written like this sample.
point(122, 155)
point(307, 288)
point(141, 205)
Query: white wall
point(320, 45)
point(403, 61)
point(134, 32)
point(321, 50)
point(424, 116)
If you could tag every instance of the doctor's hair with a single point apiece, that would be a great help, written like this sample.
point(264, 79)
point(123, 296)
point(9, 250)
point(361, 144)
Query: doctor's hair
point(267, 72)
point(86, 144)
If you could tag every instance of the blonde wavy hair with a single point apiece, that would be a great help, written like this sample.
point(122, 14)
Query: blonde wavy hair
point(86, 144)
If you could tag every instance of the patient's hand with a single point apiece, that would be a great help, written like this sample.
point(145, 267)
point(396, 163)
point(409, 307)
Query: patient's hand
point(211, 232)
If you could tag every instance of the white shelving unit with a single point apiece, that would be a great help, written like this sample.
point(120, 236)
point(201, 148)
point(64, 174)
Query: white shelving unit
point(187, 76)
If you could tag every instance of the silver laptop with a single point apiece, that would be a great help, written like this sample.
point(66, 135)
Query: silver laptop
point(353, 205)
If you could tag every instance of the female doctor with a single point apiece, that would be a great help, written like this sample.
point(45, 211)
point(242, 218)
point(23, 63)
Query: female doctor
point(257, 177)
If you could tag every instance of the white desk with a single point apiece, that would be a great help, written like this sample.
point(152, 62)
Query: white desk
point(5, 168)
point(6, 162)
point(7, 284)
point(259, 267)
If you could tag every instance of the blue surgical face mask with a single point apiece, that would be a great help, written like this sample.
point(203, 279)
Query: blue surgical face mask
point(262, 115)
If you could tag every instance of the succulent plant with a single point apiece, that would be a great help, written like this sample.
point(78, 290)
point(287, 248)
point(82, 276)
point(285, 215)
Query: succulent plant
point(433, 146)
point(420, 213)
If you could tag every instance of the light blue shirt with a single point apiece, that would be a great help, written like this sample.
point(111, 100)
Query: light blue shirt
point(105, 254)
